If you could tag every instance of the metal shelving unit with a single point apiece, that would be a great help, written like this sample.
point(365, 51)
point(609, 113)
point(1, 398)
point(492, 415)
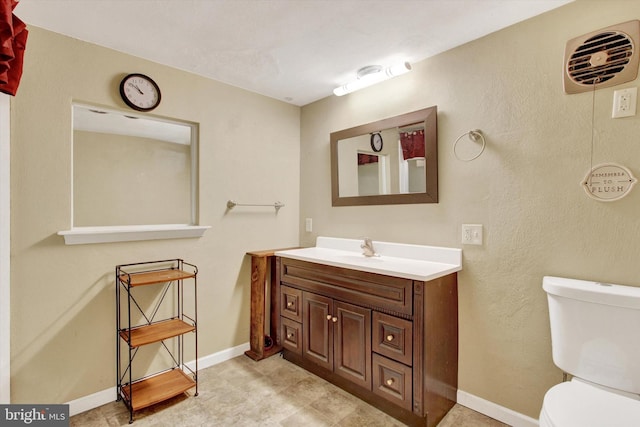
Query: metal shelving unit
point(152, 325)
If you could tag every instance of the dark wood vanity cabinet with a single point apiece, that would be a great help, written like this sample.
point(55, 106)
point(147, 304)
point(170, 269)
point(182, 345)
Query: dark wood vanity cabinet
point(391, 341)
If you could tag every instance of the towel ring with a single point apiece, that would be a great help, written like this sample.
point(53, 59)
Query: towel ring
point(474, 135)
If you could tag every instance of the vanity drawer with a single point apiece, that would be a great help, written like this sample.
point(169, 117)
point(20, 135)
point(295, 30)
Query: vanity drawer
point(392, 381)
point(291, 333)
point(359, 287)
point(393, 337)
point(291, 303)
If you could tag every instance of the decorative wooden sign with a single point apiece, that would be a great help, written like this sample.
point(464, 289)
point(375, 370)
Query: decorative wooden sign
point(608, 182)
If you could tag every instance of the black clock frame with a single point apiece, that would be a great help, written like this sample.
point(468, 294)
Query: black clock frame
point(131, 104)
point(371, 140)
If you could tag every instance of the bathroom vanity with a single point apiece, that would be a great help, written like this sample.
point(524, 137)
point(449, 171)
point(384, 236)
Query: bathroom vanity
point(384, 328)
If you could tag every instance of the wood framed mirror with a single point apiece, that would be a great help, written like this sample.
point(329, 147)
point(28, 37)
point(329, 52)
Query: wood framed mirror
point(390, 161)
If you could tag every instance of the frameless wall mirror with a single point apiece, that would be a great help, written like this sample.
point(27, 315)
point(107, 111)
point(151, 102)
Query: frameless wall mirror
point(131, 169)
point(391, 161)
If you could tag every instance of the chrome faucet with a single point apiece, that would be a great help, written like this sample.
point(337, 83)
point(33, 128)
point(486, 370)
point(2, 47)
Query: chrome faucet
point(367, 248)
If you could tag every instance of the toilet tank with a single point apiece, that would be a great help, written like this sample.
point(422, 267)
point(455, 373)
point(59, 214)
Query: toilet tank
point(595, 331)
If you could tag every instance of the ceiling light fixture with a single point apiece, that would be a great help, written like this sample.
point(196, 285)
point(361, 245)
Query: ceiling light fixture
point(371, 75)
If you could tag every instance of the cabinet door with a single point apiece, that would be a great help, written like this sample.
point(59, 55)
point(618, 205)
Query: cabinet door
point(317, 328)
point(352, 343)
point(291, 333)
point(291, 303)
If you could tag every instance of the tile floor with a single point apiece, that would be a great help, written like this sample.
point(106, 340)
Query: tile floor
point(273, 392)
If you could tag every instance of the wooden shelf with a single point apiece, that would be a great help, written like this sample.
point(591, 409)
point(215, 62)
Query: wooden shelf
point(153, 277)
point(158, 388)
point(148, 334)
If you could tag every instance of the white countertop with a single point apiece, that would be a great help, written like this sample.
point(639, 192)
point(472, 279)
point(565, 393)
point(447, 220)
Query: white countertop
point(415, 262)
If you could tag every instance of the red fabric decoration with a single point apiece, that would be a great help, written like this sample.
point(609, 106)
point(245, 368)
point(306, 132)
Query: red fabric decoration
point(365, 159)
point(412, 144)
point(13, 41)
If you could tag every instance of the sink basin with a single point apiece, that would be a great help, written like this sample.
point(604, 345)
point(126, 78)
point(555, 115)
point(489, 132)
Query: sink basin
point(416, 262)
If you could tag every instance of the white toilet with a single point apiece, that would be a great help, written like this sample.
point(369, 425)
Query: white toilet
point(595, 335)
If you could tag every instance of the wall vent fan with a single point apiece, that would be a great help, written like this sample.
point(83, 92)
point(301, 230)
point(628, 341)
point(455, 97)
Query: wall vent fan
point(604, 58)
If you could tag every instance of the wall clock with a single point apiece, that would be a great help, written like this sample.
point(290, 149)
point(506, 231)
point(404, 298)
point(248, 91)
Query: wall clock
point(140, 92)
point(376, 142)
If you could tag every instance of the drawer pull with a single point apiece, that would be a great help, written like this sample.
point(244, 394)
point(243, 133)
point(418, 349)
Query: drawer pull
point(290, 304)
point(390, 381)
point(334, 319)
point(390, 337)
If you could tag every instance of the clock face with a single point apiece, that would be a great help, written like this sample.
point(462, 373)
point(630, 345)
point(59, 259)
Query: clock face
point(376, 142)
point(140, 92)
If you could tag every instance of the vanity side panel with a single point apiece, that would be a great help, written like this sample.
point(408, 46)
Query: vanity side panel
point(275, 302)
point(440, 350)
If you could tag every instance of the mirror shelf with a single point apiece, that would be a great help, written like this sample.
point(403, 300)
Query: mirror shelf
point(87, 235)
point(402, 170)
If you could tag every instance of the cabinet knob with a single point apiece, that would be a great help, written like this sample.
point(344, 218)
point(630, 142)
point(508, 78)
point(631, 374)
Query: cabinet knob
point(390, 381)
point(390, 337)
point(289, 303)
point(289, 335)
point(334, 319)
point(328, 317)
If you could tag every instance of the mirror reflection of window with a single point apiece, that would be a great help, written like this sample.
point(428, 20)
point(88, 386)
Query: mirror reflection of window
point(412, 158)
point(131, 170)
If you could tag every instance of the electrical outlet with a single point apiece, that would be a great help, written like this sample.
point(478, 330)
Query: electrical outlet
point(624, 102)
point(472, 234)
point(308, 225)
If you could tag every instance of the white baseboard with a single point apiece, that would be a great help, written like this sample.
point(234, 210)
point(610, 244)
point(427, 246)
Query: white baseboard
point(219, 357)
point(103, 397)
point(92, 401)
point(495, 411)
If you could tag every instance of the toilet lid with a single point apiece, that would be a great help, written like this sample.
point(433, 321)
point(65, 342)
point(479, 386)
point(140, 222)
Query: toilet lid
point(576, 404)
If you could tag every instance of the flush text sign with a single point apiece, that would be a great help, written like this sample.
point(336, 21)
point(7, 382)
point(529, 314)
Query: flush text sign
point(608, 182)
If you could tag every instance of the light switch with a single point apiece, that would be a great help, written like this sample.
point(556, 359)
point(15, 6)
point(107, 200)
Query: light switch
point(472, 234)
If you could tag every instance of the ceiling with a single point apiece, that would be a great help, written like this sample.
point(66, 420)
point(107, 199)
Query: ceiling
point(293, 50)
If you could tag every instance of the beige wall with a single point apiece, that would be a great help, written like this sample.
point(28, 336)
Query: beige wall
point(524, 189)
point(62, 297)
